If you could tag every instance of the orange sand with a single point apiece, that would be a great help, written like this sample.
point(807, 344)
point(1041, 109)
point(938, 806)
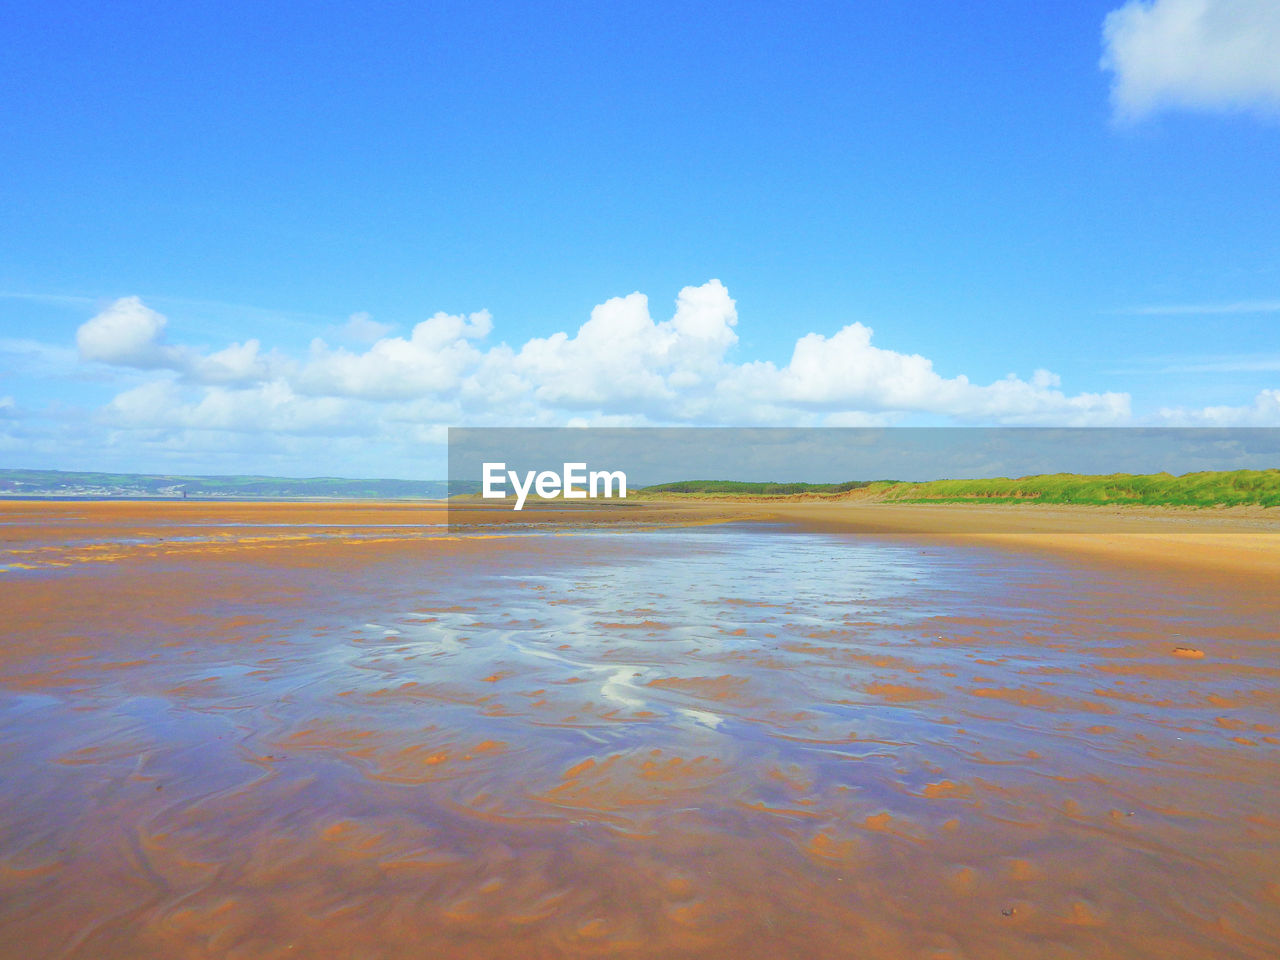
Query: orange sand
point(373, 737)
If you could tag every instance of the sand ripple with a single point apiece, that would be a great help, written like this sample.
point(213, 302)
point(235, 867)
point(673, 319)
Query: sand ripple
point(719, 742)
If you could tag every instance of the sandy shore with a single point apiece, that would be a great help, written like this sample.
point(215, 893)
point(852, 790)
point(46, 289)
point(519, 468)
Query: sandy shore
point(1241, 546)
point(349, 729)
point(1241, 541)
point(1245, 544)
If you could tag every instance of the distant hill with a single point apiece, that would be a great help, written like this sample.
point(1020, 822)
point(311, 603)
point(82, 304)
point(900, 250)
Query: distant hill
point(60, 483)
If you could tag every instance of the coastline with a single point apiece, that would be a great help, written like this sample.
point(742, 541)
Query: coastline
point(1242, 542)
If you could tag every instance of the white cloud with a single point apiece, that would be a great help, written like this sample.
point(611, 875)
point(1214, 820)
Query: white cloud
point(128, 333)
point(151, 404)
point(620, 358)
point(1264, 411)
point(1197, 54)
point(1250, 363)
point(431, 360)
point(32, 358)
point(1196, 309)
point(846, 372)
point(619, 367)
point(265, 408)
point(362, 328)
point(238, 363)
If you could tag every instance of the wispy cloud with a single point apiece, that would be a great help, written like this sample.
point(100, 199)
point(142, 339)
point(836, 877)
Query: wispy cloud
point(1222, 363)
point(34, 358)
point(1202, 309)
point(1238, 364)
point(363, 328)
point(243, 311)
point(54, 299)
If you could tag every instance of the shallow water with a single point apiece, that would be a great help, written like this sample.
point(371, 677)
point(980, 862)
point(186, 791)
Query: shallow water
point(721, 741)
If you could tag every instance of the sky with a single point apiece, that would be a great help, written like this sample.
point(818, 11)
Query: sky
point(306, 238)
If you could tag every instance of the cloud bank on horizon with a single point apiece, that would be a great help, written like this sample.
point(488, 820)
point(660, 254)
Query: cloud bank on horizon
point(1193, 54)
point(621, 367)
point(385, 399)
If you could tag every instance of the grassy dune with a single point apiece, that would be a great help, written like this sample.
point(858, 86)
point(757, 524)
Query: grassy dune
point(1209, 489)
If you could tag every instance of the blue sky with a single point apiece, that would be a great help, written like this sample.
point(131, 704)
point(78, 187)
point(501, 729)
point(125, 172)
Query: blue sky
point(968, 181)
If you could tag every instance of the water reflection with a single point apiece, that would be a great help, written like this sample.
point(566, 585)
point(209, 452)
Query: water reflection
point(720, 742)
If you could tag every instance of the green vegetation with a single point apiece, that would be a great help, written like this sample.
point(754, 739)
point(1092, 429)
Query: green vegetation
point(1260, 488)
point(1208, 489)
point(742, 488)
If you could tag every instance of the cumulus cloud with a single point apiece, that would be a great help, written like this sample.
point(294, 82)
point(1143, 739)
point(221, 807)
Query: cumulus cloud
point(1197, 54)
point(431, 360)
point(265, 408)
point(847, 372)
point(621, 359)
point(1264, 411)
point(621, 366)
point(128, 333)
point(238, 363)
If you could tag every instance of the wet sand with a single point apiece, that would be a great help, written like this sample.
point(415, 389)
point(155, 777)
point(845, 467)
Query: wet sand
point(349, 730)
point(1241, 542)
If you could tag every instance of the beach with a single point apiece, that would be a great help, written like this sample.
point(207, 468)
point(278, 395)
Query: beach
point(690, 728)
